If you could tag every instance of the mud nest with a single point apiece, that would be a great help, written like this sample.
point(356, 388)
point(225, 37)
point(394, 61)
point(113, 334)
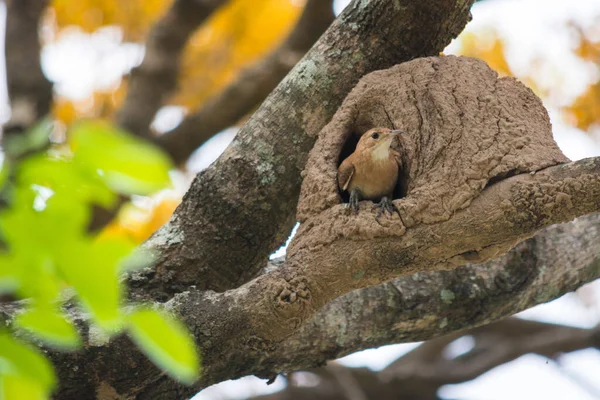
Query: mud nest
point(465, 129)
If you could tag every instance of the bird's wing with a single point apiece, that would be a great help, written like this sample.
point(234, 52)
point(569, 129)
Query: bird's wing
point(345, 172)
point(397, 157)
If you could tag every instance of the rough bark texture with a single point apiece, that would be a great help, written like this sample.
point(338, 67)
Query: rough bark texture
point(265, 311)
point(29, 91)
point(429, 304)
point(156, 77)
point(254, 186)
point(411, 308)
point(251, 87)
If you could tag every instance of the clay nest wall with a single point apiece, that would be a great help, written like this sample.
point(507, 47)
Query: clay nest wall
point(465, 130)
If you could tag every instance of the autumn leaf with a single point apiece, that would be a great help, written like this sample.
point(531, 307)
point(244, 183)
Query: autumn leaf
point(585, 110)
point(487, 46)
point(237, 35)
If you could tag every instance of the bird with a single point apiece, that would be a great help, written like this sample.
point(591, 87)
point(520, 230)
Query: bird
point(371, 171)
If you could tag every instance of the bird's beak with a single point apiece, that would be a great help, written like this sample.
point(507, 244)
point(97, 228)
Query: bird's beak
point(396, 132)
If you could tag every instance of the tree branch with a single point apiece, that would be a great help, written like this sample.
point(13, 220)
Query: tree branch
point(253, 188)
point(420, 373)
point(251, 86)
point(270, 308)
point(29, 91)
point(411, 308)
point(156, 77)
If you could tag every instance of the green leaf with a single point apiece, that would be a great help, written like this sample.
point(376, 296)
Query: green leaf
point(166, 342)
point(125, 163)
point(42, 219)
point(4, 172)
point(92, 267)
point(9, 277)
point(18, 388)
point(61, 175)
point(50, 325)
point(51, 232)
point(21, 361)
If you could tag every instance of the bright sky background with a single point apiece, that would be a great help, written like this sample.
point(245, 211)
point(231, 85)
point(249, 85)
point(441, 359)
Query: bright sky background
point(81, 63)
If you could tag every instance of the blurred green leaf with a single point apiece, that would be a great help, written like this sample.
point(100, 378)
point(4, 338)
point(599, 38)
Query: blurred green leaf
point(32, 140)
point(41, 219)
point(47, 248)
point(127, 164)
point(4, 172)
point(18, 388)
point(62, 176)
point(21, 361)
point(48, 223)
point(50, 325)
point(9, 279)
point(93, 267)
point(166, 342)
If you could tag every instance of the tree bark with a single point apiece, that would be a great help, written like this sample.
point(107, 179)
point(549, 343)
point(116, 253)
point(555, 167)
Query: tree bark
point(29, 90)
point(418, 307)
point(242, 207)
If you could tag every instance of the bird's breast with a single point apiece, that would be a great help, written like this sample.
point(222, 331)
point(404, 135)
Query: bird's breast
point(374, 176)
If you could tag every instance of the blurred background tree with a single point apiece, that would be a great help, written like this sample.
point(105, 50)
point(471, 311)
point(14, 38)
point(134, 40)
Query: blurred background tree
point(160, 67)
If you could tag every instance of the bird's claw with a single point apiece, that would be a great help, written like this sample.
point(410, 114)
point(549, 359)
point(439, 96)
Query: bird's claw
point(354, 200)
point(385, 204)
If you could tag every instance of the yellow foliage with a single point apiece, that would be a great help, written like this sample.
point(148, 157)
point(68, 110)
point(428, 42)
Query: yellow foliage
point(585, 110)
point(65, 111)
point(138, 223)
point(133, 16)
point(235, 36)
point(588, 50)
point(487, 46)
point(100, 105)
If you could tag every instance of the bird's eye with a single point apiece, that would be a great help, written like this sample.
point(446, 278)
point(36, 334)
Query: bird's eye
point(375, 135)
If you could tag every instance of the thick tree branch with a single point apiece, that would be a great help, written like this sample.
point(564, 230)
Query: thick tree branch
point(253, 188)
point(29, 91)
point(420, 373)
point(271, 307)
point(412, 308)
point(251, 87)
point(156, 77)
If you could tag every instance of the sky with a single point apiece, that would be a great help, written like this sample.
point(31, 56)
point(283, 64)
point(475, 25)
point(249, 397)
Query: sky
point(80, 63)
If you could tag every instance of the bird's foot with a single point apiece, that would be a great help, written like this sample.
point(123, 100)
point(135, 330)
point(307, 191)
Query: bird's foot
point(354, 200)
point(385, 204)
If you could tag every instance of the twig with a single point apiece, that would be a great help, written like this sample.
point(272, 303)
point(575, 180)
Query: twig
point(156, 77)
point(251, 87)
point(421, 372)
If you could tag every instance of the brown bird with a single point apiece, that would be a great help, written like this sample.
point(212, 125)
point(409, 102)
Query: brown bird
point(371, 172)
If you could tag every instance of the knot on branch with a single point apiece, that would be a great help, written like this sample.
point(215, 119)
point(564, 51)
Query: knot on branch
point(465, 129)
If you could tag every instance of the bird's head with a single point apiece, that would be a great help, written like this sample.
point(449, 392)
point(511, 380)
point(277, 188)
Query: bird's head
point(377, 139)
